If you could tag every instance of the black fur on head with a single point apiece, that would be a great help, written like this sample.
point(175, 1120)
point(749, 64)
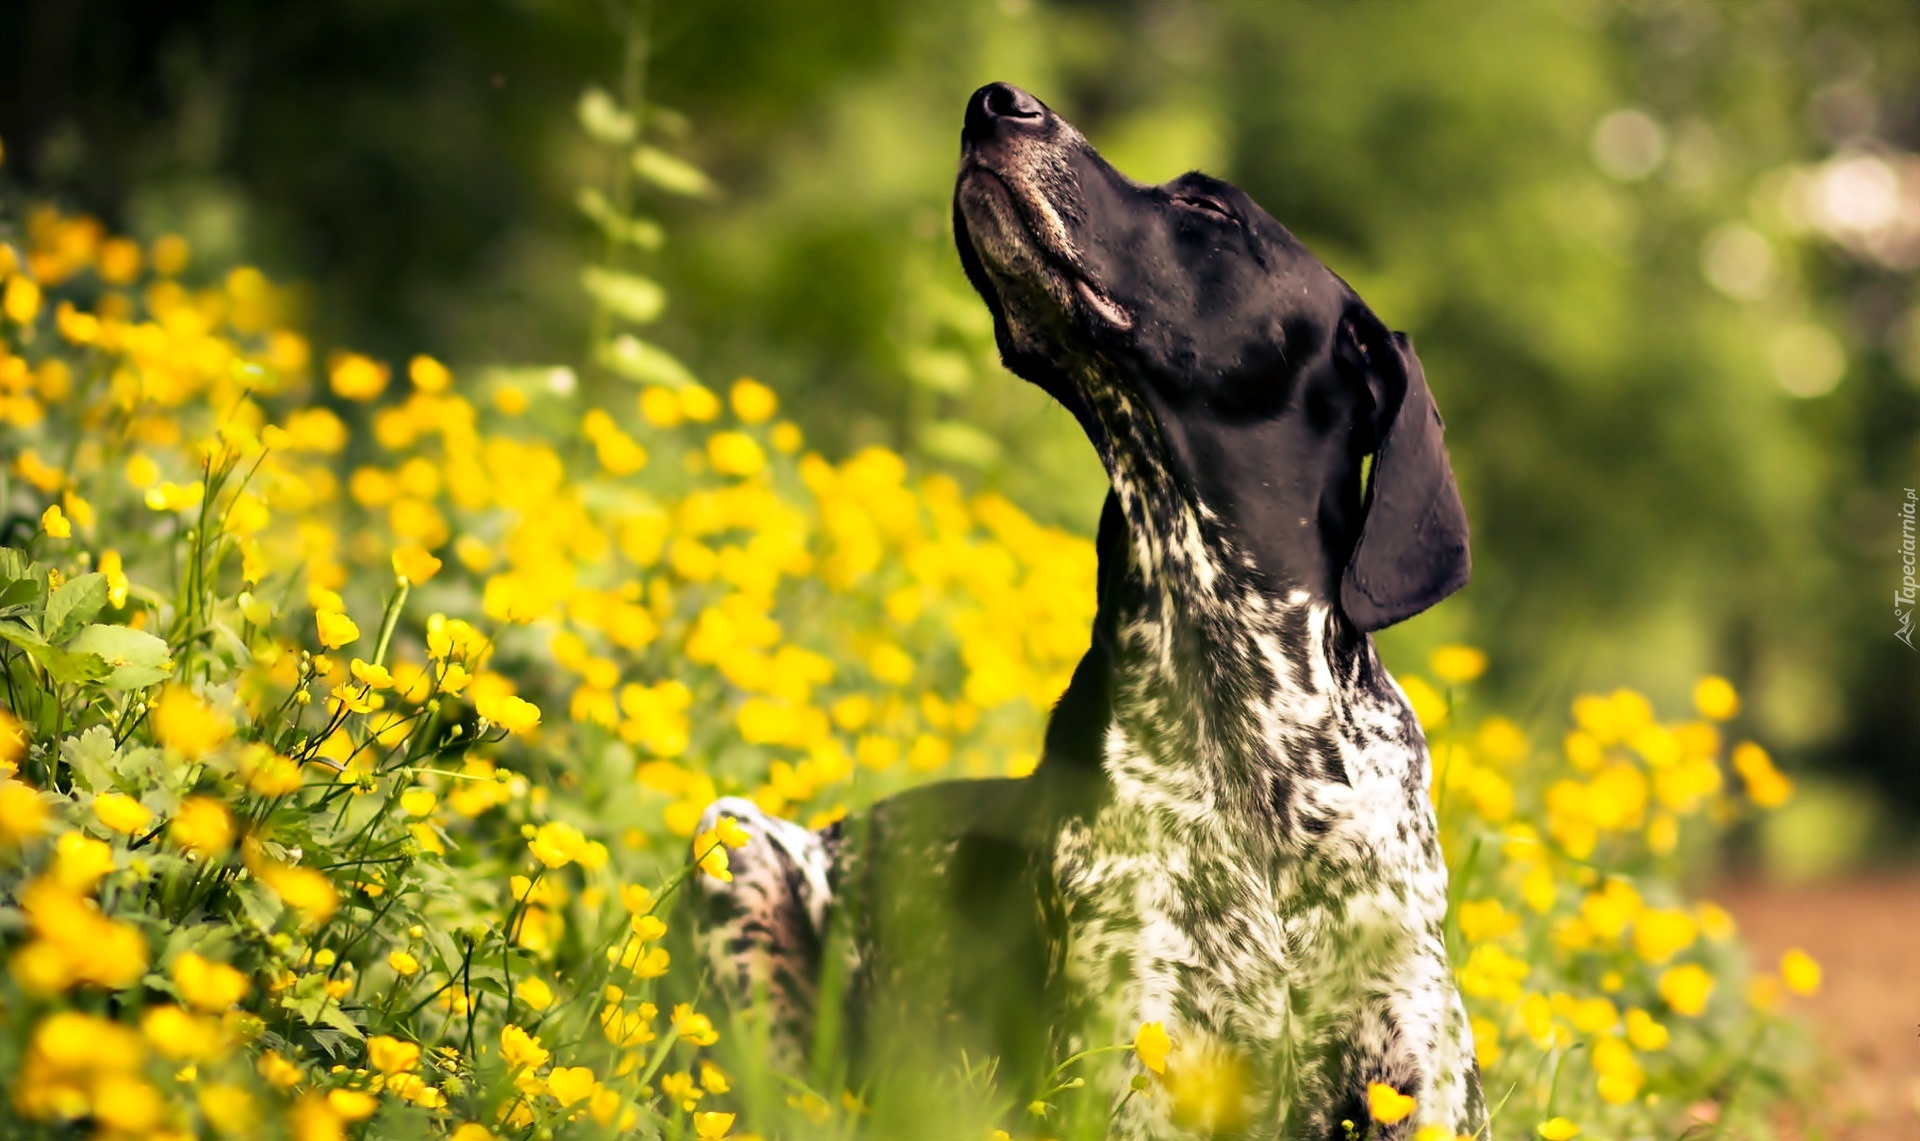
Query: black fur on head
point(1265, 381)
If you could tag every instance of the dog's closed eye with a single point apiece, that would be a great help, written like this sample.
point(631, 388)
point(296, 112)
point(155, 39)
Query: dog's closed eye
point(1206, 205)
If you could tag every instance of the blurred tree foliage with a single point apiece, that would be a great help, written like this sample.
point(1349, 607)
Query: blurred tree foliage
point(1658, 255)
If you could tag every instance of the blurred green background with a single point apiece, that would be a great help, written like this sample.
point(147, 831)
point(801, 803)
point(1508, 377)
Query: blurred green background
point(1658, 258)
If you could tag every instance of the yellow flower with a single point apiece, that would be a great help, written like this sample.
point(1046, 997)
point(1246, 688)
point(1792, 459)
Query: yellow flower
point(121, 813)
point(429, 375)
point(520, 1050)
point(370, 675)
point(356, 377)
point(556, 844)
point(1428, 706)
point(390, 1055)
point(1558, 1129)
point(54, 522)
point(279, 1073)
point(207, 985)
point(20, 300)
point(23, 815)
point(694, 1027)
point(182, 1036)
point(307, 891)
point(1800, 972)
point(202, 826)
point(336, 629)
point(735, 453)
point(1386, 1104)
point(471, 1131)
point(267, 773)
point(752, 401)
point(229, 1109)
point(1686, 988)
point(712, 856)
point(415, 564)
point(1660, 934)
point(712, 1126)
point(535, 993)
point(697, 404)
point(636, 898)
point(188, 725)
point(1766, 785)
point(732, 833)
point(569, 1084)
point(1457, 664)
point(1715, 699)
point(1644, 1032)
point(418, 801)
point(511, 713)
point(403, 963)
point(1151, 1044)
point(712, 1079)
point(352, 1104)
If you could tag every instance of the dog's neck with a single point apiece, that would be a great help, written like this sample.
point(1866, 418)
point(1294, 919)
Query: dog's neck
point(1227, 680)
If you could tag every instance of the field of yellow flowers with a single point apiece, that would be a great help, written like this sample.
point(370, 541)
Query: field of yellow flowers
point(358, 715)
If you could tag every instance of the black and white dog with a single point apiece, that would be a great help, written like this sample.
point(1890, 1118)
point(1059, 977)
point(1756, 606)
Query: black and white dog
point(1230, 832)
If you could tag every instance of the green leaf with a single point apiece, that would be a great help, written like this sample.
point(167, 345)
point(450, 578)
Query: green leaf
point(14, 563)
point(90, 755)
point(941, 370)
point(603, 120)
point(960, 442)
point(673, 175)
point(639, 361)
point(77, 602)
point(19, 592)
point(66, 665)
point(640, 233)
point(136, 658)
point(628, 295)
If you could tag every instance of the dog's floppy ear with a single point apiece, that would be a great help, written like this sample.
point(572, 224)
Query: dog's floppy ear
point(1412, 549)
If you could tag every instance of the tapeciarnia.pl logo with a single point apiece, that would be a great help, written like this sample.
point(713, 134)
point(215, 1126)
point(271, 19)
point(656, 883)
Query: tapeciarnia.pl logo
point(1904, 597)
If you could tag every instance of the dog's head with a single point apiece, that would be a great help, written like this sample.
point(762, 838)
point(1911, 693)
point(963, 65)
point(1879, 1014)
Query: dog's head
point(1264, 378)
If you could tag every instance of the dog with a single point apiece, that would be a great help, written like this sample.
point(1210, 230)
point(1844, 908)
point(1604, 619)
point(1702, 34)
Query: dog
point(1230, 832)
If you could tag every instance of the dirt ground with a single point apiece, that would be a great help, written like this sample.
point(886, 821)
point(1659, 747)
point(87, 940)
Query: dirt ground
point(1865, 932)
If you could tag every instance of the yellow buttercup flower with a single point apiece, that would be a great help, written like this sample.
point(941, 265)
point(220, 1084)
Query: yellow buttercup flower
point(356, 377)
point(712, 855)
point(403, 963)
point(520, 1050)
point(206, 985)
point(121, 813)
point(752, 401)
point(694, 1027)
point(1387, 1105)
point(202, 826)
point(557, 844)
point(1151, 1045)
point(1558, 1129)
point(54, 522)
point(188, 725)
point(1715, 699)
point(1800, 972)
point(712, 1126)
point(306, 891)
point(511, 713)
point(535, 993)
point(1458, 665)
point(1686, 988)
point(732, 833)
point(570, 1084)
point(415, 564)
point(336, 629)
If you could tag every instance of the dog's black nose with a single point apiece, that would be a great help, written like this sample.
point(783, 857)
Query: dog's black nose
point(998, 105)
